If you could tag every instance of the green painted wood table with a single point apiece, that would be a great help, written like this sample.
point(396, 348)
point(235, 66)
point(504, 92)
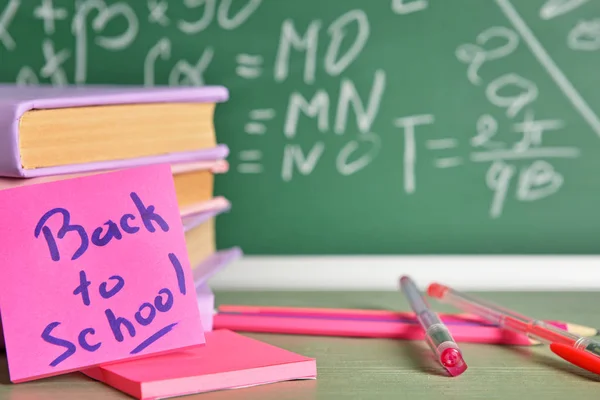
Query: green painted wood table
point(351, 368)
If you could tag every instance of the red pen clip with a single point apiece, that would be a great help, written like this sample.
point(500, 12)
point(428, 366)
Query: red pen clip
point(578, 357)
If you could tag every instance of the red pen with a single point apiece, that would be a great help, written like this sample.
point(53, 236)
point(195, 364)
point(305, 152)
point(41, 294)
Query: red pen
point(578, 350)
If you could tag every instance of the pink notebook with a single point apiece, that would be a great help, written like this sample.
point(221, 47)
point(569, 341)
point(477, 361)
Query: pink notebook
point(16, 100)
point(227, 361)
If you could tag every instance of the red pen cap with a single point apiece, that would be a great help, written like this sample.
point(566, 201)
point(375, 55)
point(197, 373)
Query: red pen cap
point(581, 358)
point(437, 290)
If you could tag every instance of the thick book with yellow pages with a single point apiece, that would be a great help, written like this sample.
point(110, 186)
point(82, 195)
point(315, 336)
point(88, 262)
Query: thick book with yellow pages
point(47, 130)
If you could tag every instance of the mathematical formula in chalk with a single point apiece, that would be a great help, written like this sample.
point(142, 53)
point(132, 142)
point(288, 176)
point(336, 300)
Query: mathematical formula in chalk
point(508, 142)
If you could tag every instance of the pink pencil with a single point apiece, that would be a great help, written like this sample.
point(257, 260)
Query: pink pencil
point(333, 326)
point(384, 314)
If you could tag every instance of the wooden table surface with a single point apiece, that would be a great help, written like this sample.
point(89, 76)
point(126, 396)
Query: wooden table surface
point(350, 368)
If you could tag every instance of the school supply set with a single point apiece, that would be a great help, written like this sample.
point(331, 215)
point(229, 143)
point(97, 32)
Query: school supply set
point(107, 251)
point(56, 133)
point(480, 322)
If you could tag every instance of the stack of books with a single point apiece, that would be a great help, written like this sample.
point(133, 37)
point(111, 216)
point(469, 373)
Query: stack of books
point(51, 133)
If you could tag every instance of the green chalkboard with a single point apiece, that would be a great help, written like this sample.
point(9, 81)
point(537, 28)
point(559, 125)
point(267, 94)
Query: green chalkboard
point(362, 127)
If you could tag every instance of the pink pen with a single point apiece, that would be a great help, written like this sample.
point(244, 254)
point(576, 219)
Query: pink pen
point(437, 335)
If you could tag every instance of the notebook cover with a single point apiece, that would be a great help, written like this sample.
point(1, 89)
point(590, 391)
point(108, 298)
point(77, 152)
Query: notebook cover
point(198, 210)
point(218, 166)
point(202, 273)
point(192, 221)
point(215, 166)
point(16, 100)
point(211, 265)
point(228, 360)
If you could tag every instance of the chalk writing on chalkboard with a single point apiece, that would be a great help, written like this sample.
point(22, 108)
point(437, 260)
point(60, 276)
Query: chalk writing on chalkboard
point(539, 179)
point(509, 140)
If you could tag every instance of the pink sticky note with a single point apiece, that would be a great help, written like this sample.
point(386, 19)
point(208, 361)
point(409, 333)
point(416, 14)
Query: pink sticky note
point(228, 361)
point(94, 270)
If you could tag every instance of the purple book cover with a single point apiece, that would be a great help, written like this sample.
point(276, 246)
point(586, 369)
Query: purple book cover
point(202, 273)
point(212, 264)
point(192, 221)
point(16, 100)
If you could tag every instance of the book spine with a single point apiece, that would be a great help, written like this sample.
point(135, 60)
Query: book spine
point(10, 158)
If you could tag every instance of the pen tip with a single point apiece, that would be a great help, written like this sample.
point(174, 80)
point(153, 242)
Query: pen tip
point(452, 360)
